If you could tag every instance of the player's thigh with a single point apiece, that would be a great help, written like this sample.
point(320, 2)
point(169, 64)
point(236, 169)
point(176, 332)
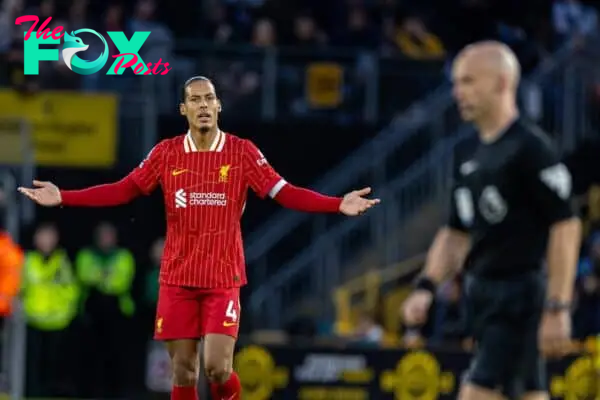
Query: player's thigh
point(178, 314)
point(221, 326)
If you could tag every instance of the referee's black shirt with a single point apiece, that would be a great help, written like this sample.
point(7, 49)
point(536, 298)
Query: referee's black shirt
point(506, 197)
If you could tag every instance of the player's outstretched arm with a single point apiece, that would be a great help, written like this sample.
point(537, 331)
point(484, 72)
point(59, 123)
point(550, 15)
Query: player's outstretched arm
point(265, 181)
point(48, 194)
point(300, 199)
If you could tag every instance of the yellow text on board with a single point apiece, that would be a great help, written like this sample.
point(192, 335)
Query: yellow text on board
point(67, 129)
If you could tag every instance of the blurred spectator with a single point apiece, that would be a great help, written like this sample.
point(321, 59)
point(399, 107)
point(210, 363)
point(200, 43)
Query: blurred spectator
point(415, 41)
point(359, 32)
point(11, 9)
point(47, 8)
point(216, 27)
point(368, 332)
point(160, 43)
point(11, 263)
point(587, 314)
point(106, 272)
point(78, 15)
point(263, 33)
point(306, 33)
point(114, 20)
point(572, 19)
point(50, 294)
point(159, 46)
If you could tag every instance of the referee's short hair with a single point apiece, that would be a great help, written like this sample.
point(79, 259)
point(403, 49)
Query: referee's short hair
point(189, 82)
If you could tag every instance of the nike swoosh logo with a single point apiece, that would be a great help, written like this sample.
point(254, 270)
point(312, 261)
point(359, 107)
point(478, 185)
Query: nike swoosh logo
point(179, 172)
point(229, 324)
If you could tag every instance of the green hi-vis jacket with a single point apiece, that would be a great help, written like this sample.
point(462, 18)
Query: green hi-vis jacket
point(110, 274)
point(50, 291)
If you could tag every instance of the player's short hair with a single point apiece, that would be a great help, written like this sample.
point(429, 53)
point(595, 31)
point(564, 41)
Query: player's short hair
point(189, 82)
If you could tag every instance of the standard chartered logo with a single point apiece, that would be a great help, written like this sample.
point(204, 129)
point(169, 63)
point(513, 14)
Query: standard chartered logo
point(183, 199)
point(180, 199)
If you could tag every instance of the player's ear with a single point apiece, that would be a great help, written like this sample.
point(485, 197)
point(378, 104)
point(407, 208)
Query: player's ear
point(182, 109)
point(220, 108)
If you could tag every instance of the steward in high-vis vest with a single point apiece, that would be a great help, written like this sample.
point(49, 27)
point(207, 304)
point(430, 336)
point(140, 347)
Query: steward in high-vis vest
point(11, 262)
point(50, 296)
point(50, 291)
point(107, 273)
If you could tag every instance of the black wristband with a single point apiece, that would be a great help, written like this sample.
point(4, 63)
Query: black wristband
point(424, 283)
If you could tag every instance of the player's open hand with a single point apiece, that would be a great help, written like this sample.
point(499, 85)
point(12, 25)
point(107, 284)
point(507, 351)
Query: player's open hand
point(416, 308)
point(45, 193)
point(355, 203)
point(555, 334)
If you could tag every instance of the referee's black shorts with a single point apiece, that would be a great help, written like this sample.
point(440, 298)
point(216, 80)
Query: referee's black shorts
point(504, 317)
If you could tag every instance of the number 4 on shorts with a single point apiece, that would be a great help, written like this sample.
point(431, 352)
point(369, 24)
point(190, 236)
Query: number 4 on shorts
point(231, 313)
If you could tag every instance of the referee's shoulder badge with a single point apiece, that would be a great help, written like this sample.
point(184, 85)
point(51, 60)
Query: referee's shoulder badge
point(558, 179)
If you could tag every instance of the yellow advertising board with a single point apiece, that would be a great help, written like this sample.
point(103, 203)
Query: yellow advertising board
point(324, 84)
point(68, 129)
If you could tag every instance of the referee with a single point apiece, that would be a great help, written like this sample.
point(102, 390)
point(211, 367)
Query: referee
point(510, 211)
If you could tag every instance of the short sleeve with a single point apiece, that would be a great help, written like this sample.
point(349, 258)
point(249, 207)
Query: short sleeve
point(259, 174)
point(462, 212)
point(548, 180)
point(147, 175)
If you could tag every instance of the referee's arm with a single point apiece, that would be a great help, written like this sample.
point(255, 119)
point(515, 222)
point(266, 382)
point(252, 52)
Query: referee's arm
point(550, 184)
point(449, 249)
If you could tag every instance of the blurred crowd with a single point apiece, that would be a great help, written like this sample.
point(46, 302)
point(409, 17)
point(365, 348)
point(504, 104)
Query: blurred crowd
point(95, 308)
point(191, 36)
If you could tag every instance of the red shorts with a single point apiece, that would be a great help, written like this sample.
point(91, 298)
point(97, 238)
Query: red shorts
point(192, 313)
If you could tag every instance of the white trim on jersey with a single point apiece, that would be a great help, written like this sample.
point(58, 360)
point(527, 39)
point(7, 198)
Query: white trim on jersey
point(220, 143)
point(276, 188)
point(217, 145)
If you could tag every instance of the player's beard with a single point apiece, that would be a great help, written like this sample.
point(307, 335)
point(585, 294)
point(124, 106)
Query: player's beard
point(204, 129)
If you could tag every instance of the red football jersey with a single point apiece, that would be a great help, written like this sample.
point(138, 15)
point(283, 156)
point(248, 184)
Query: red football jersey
point(205, 195)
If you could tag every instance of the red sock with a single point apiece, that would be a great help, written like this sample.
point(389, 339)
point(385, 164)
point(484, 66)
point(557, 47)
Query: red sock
point(230, 390)
point(184, 393)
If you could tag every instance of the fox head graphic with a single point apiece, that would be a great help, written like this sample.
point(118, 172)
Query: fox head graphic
point(73, 45)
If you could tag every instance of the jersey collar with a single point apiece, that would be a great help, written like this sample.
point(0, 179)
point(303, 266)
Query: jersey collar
point(217, 145)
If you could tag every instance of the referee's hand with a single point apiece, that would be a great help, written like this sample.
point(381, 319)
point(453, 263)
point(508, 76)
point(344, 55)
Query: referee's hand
point(416, 307)
point(555, 334)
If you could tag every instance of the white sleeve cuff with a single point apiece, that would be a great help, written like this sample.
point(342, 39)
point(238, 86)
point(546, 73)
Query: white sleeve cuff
point(276, 188)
